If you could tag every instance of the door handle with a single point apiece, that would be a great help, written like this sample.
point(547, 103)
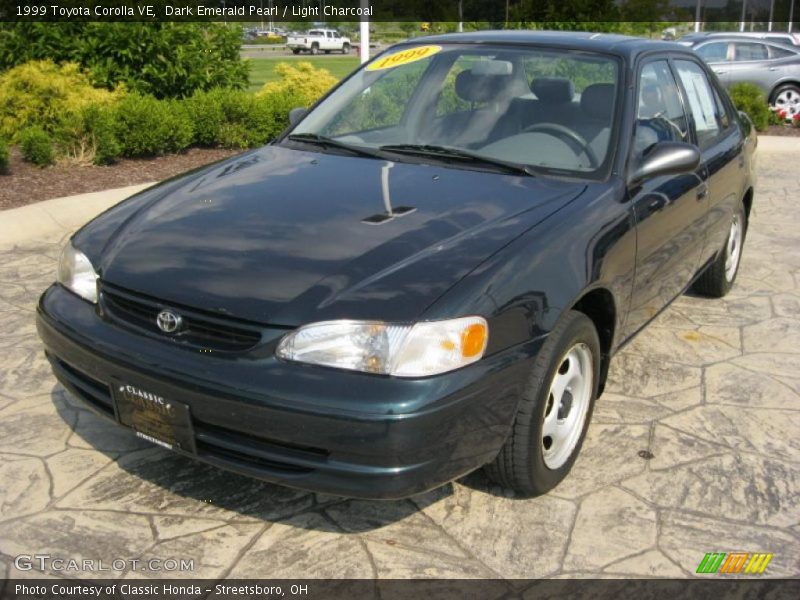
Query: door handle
point(702, 193)
point(773, 68)
point(720, 72)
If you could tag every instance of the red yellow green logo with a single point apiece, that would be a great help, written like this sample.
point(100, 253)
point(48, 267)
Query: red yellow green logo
point(732, 563)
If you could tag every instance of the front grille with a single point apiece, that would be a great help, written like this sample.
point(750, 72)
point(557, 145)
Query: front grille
point(200, 329)
point(93, 392)
point(215, 444)
point(240, 449)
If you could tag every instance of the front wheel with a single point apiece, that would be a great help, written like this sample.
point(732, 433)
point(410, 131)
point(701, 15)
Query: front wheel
point(717, 280)
point(314, 49)
point(295, 50)
point(346, 49)
point(554, 410)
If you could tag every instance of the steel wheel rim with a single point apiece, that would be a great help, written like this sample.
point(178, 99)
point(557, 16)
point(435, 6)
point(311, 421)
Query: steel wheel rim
point(788, 100)
point(567, 404)
point(733, 248)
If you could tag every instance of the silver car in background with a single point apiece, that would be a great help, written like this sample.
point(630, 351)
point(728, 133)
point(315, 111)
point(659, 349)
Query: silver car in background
point(772, 66)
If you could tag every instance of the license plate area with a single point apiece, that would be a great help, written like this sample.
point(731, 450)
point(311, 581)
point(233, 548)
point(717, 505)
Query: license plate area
point(154, 417)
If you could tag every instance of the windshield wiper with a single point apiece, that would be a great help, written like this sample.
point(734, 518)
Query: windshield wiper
point(459, 154)
point(327, 142)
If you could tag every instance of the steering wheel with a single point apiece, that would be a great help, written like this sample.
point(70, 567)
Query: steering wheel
point(568, 135)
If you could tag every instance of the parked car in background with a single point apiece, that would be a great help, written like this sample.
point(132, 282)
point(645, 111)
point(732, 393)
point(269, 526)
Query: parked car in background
point(773, 67)
point(319, 40)
point(428, 272)
point(781, 37)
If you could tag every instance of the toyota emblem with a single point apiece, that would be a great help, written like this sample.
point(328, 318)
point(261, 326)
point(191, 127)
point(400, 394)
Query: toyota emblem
point(168, 321)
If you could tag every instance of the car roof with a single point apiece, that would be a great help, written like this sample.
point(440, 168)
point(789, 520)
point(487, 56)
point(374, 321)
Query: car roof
point(622, 45)
point(741, 38)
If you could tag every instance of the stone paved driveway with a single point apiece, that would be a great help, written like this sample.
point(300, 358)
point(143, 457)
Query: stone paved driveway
point(712, 390)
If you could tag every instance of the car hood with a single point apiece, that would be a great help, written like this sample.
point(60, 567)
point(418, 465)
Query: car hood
point(284, 236)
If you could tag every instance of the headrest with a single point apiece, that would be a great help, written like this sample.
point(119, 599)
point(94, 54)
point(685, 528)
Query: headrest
point(597, 101)
point(553, 90)
point(473, 87)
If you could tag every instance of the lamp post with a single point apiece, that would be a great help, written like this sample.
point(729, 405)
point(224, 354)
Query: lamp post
point(744, 8)
point(363, 46)
point(697, 16)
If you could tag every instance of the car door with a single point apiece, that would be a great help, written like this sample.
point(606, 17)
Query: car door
point(721, 142)
point(718, 56)
point(666, 208)
point(750, 64)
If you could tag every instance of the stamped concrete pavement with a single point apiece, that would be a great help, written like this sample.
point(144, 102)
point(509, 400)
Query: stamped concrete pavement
point(711, 390)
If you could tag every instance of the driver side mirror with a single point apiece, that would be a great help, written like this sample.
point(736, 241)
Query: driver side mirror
point(296, 114)
point(666, 158)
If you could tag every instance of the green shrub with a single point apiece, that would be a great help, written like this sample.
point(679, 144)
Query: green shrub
point(146, 126)
point(165, 60)
point(37, 146)
point(234, 119)
point(300, 79)
point(750, 99)
point(89, 136)
point(3, 156)
point(40, 93)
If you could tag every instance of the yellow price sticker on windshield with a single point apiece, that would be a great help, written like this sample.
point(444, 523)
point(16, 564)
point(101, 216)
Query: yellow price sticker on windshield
point(403, 57)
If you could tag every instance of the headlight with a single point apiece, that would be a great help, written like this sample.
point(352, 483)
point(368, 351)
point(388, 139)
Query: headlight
point(417, 350)
point(76, 273)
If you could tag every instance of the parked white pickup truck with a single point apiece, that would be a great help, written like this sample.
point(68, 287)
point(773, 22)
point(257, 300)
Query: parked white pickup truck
point(319, 40)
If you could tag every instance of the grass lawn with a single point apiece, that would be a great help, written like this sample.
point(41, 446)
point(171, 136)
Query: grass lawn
point(262, 70)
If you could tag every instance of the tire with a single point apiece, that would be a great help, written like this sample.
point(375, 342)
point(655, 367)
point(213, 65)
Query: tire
point(718, 278)
point(523, 463)
point(314, 49)
point(327, 51)
point(295, 50)
point(787, 97)
point(346, 49)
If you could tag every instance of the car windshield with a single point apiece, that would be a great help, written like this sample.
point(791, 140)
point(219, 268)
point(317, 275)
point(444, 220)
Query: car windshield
point(533, 109)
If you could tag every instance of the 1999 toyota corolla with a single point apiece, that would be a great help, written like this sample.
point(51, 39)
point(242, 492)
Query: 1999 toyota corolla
point(428, 273)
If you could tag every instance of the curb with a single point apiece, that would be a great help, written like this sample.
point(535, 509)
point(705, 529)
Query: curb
point(49, 220)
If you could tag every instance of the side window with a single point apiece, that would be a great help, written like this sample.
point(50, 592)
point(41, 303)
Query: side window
point(701, 101)
point(775, 52)
point(660, 115)
point(749, 51)
point(714, 52)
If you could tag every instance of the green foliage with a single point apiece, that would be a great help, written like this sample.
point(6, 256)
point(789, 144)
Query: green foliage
point(40, 93)
point(88, 136)
point(234, 119)
point(37, 146)
point(3, 156)
point(162, 59)
point(749, 98)
point(146, 126)
point(302, 79)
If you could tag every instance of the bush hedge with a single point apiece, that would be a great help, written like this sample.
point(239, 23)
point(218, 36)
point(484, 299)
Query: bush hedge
point(37, 146)
point(40, 93)
point(300, 80)
point(749, 98)
point(70, 120)
point(3, 156)
point(166, 60)
point(146, 126)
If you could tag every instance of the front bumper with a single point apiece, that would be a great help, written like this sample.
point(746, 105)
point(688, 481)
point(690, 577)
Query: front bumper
point(313, 428)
